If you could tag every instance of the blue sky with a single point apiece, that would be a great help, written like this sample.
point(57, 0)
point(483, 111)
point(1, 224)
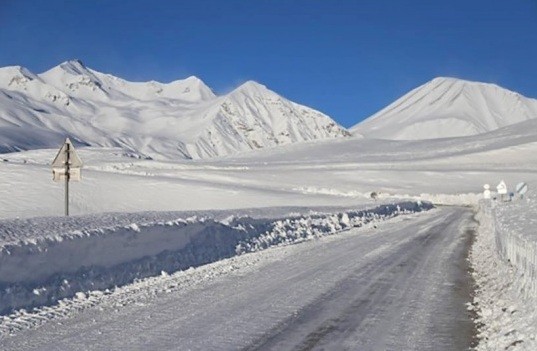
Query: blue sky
point(345, 58)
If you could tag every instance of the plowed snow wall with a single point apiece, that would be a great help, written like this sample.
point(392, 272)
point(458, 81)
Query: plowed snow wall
point(516, 245)
point(39, 272)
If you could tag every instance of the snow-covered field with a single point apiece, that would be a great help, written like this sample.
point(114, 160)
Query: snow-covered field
point(339, 172)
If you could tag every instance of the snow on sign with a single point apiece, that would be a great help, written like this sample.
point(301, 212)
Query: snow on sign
point(66, 166)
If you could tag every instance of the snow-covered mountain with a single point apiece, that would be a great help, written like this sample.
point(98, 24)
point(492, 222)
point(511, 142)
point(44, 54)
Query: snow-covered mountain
point(448, 107)
point(183, 118)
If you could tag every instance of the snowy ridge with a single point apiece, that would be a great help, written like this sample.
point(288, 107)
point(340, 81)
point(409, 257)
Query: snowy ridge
point(448, 107)
point(181, 119)
point(42, 270)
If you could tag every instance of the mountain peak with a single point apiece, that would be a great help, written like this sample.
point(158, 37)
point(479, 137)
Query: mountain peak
point(15, 77)
point(460, 82)
point(443, 79)
point(249, 84)
point(252, 87)
point(17, 70)
point(192, 79)
point(191, 88)
point(74, 67)
point(448, 107)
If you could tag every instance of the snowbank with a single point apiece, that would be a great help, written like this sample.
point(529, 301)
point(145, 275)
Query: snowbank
point(464, 199)
point(504, 260)
point(468, 199)
point(516, 238)
point(39, 270)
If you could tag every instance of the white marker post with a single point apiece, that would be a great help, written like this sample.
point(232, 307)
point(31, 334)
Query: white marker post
point(66, 166)
point(486, 192)
point(502, 190)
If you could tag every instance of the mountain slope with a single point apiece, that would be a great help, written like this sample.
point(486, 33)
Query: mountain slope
point(448, 107)
point(181, 119)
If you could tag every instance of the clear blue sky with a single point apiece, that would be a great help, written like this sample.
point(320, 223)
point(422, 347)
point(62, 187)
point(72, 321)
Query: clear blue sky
point(345, 58)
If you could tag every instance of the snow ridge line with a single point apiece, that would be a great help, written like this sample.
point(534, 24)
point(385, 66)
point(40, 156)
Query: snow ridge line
point(45, 273)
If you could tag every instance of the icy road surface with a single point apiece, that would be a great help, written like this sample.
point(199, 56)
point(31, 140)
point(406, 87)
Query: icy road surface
point(402, 286)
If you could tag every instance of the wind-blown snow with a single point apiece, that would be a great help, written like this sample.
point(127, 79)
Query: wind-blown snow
point(448, 107)
point(181, 119)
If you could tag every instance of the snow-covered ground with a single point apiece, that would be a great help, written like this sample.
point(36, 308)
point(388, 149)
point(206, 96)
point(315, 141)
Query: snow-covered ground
point(45, 259)
point(339, 172)
point(337, 176)
point(395, 285)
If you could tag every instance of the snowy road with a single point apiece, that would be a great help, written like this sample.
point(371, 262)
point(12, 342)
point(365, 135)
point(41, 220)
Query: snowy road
point(401, 286)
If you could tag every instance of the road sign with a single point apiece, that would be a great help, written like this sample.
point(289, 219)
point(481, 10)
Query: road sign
point(59, 174)
point(502, 188)
point(67, 153)
point(66, 166)
point(521, 189)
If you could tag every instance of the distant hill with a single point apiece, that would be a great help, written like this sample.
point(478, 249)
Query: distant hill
point(448, 107)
